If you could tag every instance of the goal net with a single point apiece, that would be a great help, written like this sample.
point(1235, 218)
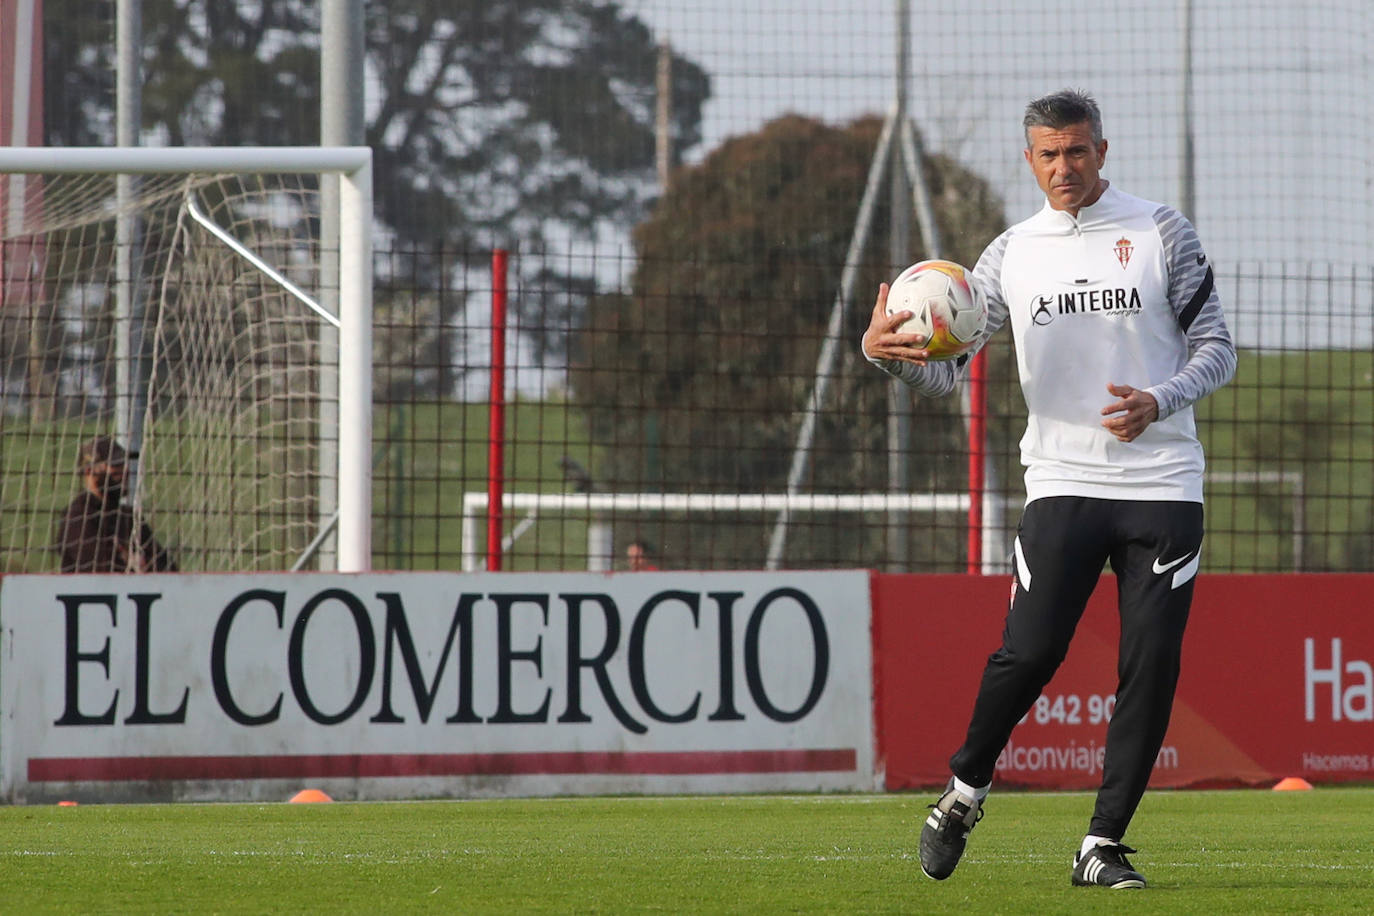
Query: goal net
point(183, 303)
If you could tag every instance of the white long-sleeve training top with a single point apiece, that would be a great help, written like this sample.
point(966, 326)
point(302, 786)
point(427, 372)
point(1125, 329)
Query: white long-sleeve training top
point(1121, 293)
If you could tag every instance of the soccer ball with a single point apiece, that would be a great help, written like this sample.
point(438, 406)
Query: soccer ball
point(947, 308)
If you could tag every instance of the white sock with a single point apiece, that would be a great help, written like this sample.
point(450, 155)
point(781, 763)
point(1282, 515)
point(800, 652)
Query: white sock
point(1090, 841)
point(976, 794)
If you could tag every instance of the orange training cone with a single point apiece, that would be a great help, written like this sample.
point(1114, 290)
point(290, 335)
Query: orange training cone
point(1292, 784)
point(305, 796)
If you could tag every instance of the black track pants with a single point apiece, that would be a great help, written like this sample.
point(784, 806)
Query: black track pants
point(1061, 547)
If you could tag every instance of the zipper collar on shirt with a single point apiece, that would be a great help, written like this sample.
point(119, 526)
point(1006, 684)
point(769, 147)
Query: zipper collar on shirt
point(1086, 215)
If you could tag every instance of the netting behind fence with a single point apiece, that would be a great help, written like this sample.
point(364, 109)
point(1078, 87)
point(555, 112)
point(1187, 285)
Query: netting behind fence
point(200, 340)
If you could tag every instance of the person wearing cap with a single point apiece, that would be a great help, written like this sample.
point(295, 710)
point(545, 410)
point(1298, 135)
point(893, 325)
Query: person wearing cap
point(97, 533)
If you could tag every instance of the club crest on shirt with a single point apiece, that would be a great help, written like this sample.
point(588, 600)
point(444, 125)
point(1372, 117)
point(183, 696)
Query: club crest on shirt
point(1123, 251)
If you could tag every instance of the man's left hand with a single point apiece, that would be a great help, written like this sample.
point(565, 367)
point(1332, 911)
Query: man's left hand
point(1128, 416)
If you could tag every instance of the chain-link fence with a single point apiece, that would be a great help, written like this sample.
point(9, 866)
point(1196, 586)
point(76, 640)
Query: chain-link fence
point(676, 256)
point(677, 422)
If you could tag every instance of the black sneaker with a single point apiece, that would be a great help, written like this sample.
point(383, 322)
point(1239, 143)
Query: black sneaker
point(1105, 865)
point(946, 832)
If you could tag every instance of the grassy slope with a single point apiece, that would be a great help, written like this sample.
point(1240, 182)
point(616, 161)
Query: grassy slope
point(427, 455)
point(1285, 412)
point(1292, 412)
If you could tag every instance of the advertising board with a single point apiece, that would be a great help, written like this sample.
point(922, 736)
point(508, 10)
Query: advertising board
point(400, 685)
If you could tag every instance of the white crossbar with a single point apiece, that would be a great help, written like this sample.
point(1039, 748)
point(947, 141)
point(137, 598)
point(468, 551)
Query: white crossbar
point(475, 506)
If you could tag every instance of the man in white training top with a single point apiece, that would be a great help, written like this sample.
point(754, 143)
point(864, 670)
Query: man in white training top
point(1118, 332)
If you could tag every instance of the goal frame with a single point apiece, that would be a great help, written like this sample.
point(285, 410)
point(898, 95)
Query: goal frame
point(353, 167)
point(600, 554)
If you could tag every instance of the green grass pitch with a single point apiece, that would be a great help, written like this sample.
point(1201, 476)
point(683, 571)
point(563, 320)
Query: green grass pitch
point(1242, 851)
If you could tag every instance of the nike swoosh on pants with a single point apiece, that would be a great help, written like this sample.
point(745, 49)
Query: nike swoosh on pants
point(1165, 567)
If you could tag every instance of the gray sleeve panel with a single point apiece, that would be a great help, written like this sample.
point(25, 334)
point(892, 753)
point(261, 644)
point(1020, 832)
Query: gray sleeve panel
point(1193, 296)
point(934, 380)
point(987, 274)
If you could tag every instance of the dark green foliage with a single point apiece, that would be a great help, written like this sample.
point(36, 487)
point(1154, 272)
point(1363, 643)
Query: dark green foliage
point(493, 122)
point(716, 343)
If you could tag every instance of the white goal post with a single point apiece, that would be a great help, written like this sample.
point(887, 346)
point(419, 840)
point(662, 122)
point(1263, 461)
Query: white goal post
point(600, 550)
point(21, 231)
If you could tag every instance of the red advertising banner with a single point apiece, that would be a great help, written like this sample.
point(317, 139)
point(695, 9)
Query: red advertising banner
point(1278, 680)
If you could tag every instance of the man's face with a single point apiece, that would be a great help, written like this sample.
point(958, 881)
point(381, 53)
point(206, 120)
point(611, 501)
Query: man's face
point(106, 481)
point(635, 554)
point(1066, 163)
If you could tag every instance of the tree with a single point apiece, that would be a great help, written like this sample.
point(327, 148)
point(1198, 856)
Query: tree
point(720, 332)
point(523, 123)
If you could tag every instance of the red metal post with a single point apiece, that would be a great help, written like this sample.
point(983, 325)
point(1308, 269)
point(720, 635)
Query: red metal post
point(977, 453)
point(496, 427)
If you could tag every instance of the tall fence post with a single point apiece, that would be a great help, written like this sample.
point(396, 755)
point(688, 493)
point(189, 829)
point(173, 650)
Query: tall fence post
point(496, 425)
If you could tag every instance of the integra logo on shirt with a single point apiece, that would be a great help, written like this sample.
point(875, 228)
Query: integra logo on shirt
point(1114, 303)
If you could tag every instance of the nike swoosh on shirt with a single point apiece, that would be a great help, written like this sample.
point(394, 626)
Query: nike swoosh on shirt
point(1165, 567)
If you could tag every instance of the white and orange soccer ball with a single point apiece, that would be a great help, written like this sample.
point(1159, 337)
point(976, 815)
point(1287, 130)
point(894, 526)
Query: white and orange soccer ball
point(947, 308)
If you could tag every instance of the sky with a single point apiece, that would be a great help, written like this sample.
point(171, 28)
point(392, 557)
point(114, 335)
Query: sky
point(1282, 100)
